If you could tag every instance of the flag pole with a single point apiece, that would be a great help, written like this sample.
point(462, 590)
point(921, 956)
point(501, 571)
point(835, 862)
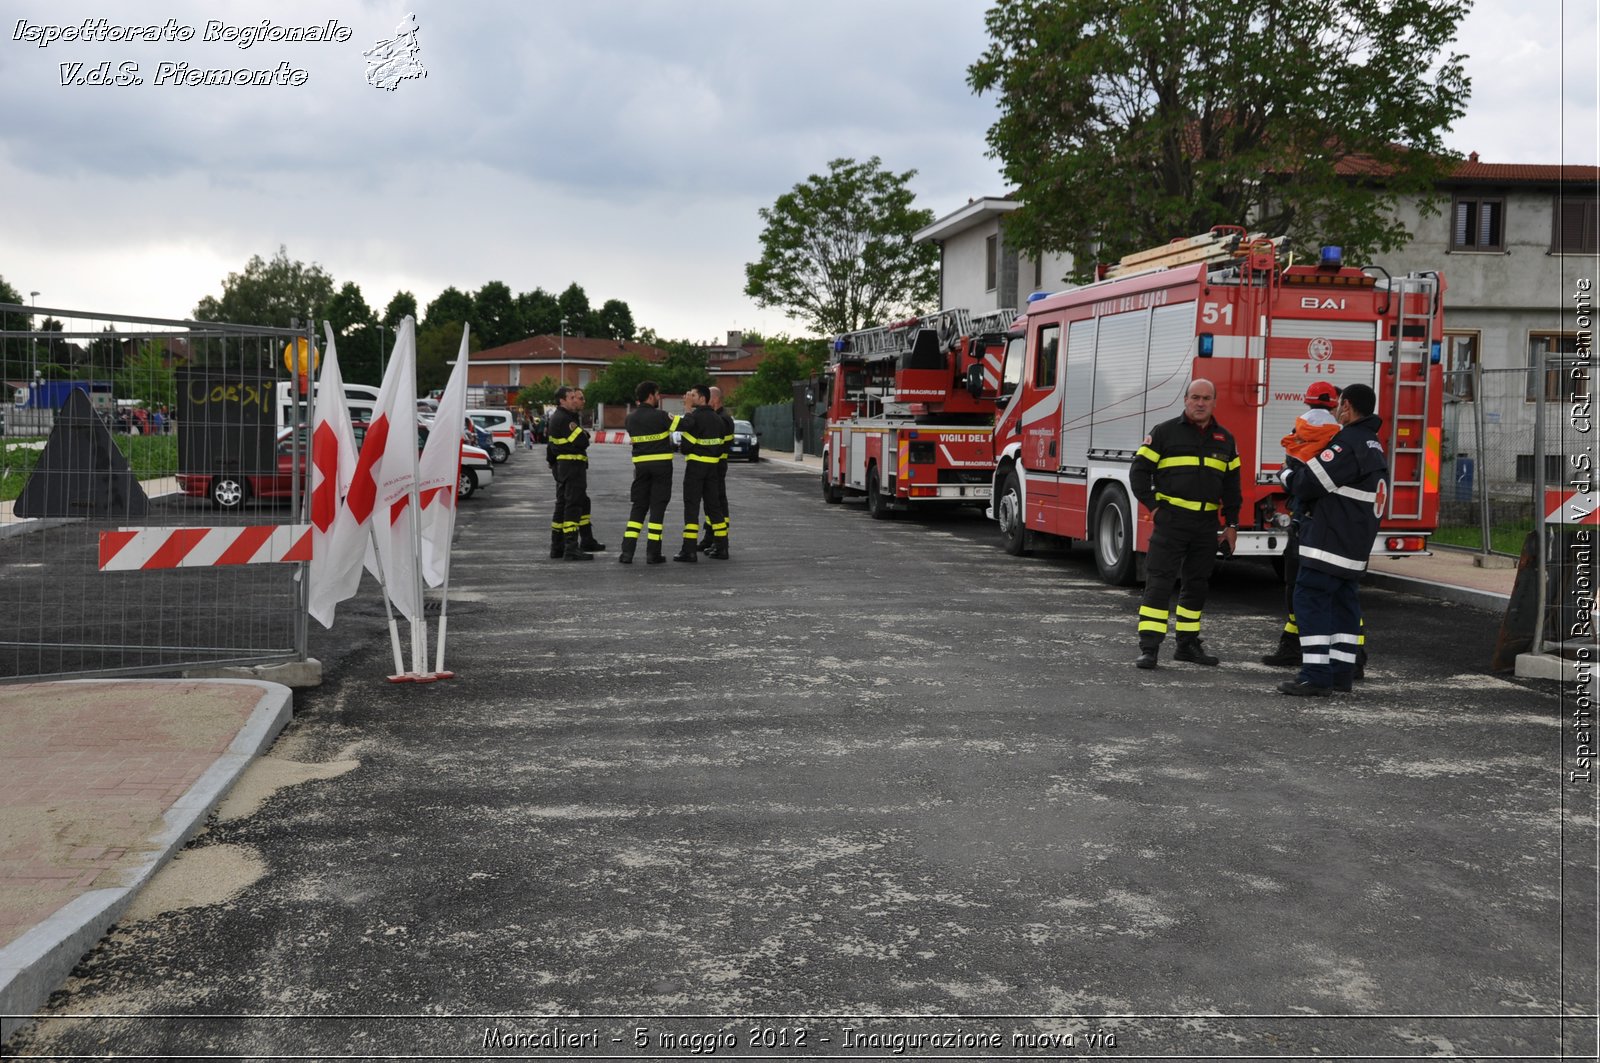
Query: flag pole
point(444, 593)
point(400, 675)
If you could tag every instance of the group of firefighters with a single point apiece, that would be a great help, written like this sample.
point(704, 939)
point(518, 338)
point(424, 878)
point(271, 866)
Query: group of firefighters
point(1187, 473)
point(705, 432)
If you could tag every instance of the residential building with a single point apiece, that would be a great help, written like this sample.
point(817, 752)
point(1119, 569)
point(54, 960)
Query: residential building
point(571, 360)
point(978, 270)
point(734, 362)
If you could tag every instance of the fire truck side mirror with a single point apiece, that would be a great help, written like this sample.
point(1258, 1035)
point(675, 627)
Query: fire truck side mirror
point(975, 380)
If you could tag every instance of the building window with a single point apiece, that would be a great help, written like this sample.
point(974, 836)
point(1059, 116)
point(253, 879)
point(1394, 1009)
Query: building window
point(991, 263)
point(1460, 356)
point(1038, 273)
point(1477, 225)
point(1566, 369)
point(583, 378)
point(1577, 226)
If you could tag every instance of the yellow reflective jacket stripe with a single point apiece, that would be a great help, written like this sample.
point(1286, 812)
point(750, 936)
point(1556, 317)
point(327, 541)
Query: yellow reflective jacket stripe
point(665, 455)
point(1184, 503)
point(563, 440)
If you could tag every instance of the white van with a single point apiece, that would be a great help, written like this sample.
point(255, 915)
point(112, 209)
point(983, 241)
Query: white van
point(502, 428)
point(361, 399)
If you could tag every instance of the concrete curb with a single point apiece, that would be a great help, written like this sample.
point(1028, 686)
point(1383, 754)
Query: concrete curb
point(1488, 601)
point(37, 963)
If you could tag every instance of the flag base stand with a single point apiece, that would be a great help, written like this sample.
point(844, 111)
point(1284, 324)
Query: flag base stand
point(403, 677)
point(444, 675)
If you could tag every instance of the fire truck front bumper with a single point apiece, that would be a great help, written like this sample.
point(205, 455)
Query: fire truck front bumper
point(948, 493)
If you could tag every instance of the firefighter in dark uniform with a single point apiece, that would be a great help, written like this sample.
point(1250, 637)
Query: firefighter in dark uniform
point(650, 431)
point(567, 450)
point(701, 432)
point(1347, 481)
point(713, 534)
point(1185, 473)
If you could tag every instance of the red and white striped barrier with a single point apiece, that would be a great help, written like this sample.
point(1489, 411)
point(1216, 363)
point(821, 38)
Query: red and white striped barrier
point(136, 549)
point(1577, 508)
point(610, 435)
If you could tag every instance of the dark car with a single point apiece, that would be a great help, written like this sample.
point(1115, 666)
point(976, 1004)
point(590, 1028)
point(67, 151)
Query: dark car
point(746, 444)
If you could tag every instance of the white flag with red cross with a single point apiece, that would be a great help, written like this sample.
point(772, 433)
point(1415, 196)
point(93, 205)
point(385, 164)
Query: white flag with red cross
point(338, 542)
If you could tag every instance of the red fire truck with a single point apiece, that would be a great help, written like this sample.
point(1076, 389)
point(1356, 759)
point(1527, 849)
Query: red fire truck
point(909, 411)
point(1087, 373)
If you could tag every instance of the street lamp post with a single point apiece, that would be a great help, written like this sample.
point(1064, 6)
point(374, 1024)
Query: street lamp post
point(563, 353)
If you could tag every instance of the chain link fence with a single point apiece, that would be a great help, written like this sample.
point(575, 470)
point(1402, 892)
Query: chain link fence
point(180, 428)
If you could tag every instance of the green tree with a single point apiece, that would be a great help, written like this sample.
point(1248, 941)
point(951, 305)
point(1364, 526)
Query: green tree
point(494, 315)
point(13, 352)
point(1126, 123)
point(772, 383)
point(451, 305)
point(272, 293)
point(837, 252)
point(615, 320)
point(538, 313)
point(145, 377)
point(356, 329)
point(538, 395)
point(437, 346)
point(403, 305)
point(574, 303)
point(616, 385)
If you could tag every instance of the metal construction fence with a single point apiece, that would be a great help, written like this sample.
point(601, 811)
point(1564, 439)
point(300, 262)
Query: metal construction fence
point(179, 429)
point(1506, 442)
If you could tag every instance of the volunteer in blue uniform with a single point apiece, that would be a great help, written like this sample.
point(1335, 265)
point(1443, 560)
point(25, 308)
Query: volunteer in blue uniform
point(1348, 482)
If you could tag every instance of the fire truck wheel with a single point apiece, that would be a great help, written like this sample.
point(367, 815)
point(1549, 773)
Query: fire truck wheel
point(1008, 510)
point(1112, 529)
point(877, 505)
point(830, 492)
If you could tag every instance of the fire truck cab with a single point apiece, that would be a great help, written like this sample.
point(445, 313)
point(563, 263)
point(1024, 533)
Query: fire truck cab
point(1089, 371)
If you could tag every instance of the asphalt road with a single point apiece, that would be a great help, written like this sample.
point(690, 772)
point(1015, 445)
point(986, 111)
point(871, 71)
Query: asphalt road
point(872, 785)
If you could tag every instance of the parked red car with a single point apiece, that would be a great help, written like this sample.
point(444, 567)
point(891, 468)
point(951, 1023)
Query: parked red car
point(230, 490)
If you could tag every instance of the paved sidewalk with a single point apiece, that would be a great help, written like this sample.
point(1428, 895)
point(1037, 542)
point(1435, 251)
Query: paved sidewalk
point(104, 781)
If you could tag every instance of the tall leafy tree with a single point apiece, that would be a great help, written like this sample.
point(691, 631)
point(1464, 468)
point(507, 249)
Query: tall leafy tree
point(452, 305)
point(272, 293)
point(403, 305)
point(837, 252)
point(494, 315)
point(772, 383)
point(574, 303)
point(616, 385)
point(1126, 123)
point(438, 344)
point(356, 328)
point(145, 377)
point(13, 352)
point(615, 320)
point(538, 313)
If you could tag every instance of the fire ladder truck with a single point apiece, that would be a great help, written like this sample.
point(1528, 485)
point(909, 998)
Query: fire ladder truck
point(1089, 371)
point(909, 409)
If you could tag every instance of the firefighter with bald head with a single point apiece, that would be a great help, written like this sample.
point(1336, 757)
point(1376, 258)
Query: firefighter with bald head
point(1187, 474)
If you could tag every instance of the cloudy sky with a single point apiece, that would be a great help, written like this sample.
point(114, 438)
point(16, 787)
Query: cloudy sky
point(622, 144)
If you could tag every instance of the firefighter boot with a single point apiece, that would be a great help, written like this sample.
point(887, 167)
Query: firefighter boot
point(652, 553)
point(587, 542)
point(1287, 655)
point(705, 540)
point(718, 550)
point(573, 550)
point(625, 556)
point(1147, 655)
point(558, 543)
point(690, 551)
point(1194, 651)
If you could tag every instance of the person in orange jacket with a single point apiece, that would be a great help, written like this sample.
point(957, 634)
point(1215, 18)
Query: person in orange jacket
point(1312, 431)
